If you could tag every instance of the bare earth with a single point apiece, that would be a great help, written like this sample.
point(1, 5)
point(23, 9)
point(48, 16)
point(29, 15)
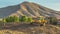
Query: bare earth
point(29, 29)
point(29, 9)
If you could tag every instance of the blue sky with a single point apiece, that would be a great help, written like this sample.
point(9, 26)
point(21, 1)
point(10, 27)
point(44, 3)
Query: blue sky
point(53, 4)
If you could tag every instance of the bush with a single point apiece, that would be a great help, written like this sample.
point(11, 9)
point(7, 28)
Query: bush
point(4, 20)
point(15, 19)
point(53, 20)
point(42, 20)
point(11, 19)
point(23, 19)
point(29, 19)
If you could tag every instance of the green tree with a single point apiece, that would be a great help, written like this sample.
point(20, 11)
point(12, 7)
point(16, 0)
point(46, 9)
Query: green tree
point(12, 19)
point(9, 19)
point(15, 19)
point(23, 19)
point(53, 20)
point(29, 19)
point(4, 21)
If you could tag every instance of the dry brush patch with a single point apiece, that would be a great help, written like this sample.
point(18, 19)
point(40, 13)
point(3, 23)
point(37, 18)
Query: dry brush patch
point(30, 29)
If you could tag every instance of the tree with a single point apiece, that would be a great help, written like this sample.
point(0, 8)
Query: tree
point(23, 19)
point(4, 21)
point(12, 19)
point(29, 19)
point(53, 20)
point(15, 19)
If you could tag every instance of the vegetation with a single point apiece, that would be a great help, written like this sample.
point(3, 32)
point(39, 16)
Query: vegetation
point(42, 20)
point(4, 21)
point(17, 19)
point(23, 19)
point(53, 20)
point(29, 19)
point(11, 19)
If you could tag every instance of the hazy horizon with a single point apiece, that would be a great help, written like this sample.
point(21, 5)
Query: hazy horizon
point(53, 4)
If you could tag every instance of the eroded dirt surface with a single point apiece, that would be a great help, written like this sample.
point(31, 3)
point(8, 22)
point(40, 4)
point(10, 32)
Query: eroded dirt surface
point(29, 29)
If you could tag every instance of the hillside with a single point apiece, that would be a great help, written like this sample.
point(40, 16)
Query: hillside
point(28, 9)
point(30, 29)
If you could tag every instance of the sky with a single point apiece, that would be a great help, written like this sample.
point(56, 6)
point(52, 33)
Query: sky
point(53, 4)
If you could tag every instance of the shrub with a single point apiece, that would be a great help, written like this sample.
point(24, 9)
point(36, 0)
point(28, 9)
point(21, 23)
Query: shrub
point(4, 20)
point(23, 19)
point(15, 19)
point(53, 20)
point(11, 19)
point(42, 20)
point(29, 19)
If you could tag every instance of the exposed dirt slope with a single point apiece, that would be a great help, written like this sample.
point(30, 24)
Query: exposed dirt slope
point(30, 29)
point(28, 9)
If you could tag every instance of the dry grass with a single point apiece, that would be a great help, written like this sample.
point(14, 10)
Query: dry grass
point(10, 32)
point(30, 29)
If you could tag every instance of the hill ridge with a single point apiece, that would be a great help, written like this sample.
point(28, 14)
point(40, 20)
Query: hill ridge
point(28, 9)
